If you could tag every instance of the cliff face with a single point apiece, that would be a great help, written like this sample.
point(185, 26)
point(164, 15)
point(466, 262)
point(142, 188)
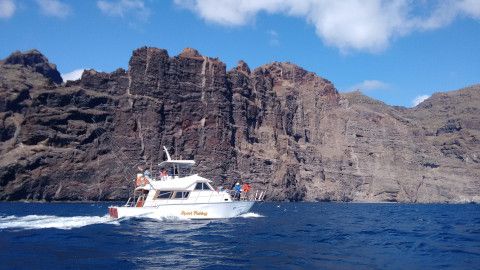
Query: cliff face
point(397, 154)
point(285, 129)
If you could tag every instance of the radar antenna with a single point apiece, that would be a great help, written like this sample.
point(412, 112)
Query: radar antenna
point(166, 152)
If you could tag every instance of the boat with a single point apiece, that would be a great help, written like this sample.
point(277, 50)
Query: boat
point(177, 192)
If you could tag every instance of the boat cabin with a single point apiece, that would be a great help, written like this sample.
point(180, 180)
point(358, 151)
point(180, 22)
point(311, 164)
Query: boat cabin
point(175, 183)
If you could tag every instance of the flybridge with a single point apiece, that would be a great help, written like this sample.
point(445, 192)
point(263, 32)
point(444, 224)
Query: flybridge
point(185, 163)
point(178, 192)
point(173, 161)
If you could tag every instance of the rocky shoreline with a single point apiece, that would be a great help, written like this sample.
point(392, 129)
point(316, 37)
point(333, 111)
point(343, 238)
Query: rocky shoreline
point(279, 126)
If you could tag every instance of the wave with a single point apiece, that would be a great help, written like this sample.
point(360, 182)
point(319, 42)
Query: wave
point(46, 222)
point(251, 215)
point(67, 223)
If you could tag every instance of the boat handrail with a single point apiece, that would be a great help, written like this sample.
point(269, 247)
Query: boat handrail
point(258, 196)
point(128, 202)
point(211, 193)
point(198, 195)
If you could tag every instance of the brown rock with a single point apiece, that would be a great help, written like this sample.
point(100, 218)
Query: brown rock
point(190, 53)
point(283, 128)
point(35, 61)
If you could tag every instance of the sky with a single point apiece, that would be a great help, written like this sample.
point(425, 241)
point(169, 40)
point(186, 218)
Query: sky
point(397, 51)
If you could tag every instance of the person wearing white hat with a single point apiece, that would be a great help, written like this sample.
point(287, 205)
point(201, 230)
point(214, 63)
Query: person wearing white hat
point(238, 189)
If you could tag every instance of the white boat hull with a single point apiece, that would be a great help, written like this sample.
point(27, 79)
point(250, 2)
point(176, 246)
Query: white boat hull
point(217, 210)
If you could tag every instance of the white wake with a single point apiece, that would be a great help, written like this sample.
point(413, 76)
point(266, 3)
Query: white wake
point(45, 221)
point(160, 217)
point(251, 215)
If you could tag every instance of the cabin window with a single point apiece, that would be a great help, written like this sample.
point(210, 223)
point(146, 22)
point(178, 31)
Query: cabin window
point(199, 186)
point(164, 194)
point(207, 187)
point(202, 186)
point(181, 194)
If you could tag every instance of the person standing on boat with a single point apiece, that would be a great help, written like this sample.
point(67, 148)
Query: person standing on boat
point(246, 187)
point(163, 174)
point(147, 173)
point(238, 189)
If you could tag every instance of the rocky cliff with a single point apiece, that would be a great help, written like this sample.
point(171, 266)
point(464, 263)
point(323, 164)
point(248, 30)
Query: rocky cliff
point(281, 127)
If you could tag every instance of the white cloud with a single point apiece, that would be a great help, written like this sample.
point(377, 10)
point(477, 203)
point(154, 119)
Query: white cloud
point(7, 9)
point(54, 8)
point(122, 8)
point(470, 8)
point(370, 85)
point(419, 99)
point(350, 25)
point(273, 38)
point(73, 75)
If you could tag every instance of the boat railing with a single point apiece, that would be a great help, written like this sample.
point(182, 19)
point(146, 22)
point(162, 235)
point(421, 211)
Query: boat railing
point(136, 201)
point(209, 197)
point(198, 196)
point(257, 195)
point(235, 195)
point(130, 202)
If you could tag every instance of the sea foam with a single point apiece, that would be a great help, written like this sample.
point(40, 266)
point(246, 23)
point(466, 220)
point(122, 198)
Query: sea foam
point(251, 215)
point(47, 221)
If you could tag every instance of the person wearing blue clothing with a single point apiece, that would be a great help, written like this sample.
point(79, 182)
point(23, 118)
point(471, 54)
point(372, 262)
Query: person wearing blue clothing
point(237, 189)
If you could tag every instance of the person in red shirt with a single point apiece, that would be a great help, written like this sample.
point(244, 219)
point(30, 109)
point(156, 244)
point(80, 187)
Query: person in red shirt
point(246, 187)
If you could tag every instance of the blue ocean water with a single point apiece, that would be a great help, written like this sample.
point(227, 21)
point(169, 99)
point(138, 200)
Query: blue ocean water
point(272, 236)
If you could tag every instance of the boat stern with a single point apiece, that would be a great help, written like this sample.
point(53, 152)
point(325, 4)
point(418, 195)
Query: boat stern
point(113, 212)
